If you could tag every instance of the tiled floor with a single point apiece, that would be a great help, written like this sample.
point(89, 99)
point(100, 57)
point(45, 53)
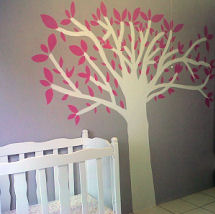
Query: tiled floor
point(198, 203)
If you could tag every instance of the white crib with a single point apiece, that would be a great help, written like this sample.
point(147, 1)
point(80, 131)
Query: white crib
point(90, 160)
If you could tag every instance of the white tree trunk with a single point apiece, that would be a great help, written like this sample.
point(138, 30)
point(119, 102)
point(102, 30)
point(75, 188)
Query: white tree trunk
point(142, 185)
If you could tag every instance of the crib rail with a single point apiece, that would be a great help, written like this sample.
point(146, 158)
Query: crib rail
point(63, 169)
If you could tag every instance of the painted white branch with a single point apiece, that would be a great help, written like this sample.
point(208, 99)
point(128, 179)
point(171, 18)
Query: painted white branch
point(194, 45)
point(189, 69)
point(164, 86)
point(132, 43)
point(88, 97)
point(121, 34)
point(63, 74)
point(98, 83)
point(99, 72)
point(171, 53)
point(127, 51)
point(71, 33)
point(87, 109)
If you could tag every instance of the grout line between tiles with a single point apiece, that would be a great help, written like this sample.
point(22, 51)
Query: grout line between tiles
point(166, 209)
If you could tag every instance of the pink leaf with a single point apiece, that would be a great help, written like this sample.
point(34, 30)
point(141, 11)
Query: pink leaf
point(67, 14)
point(44, 83)
point(44, 48)
point(65, 22)
point(87, 25)
point(91, 92)
point(94, 46)
point(116, 83)
point(144, 16)
point(49, 21)
point(207, 102)
point(166, 24)
point(62, 35)
point(108, 77)
point(122, 104)
point(98, 13)
point(108, 110)
point(178, 28)
point(170, 91)
point(149, 14)
point(93, 58)
point(94, 23)
point(56, 71)
point(76, 84)
point(103, 9)
point(81, 60)
point(77, 119)
point(65, 97)
point(84, 45)
point(116, 14)
point(52, 41)
point(161, 96)
point(100, 89)
point(114, 93)
point(49, 95)
point(73, 109)
point(76, 50)
point(72, 9)
point(157, 18)
point(48, 74)
point(61, 62)
point(136, 14)
point(71, 116)
point(124, 14)
point(207, 46)
point(113, 64)
point(40, 58)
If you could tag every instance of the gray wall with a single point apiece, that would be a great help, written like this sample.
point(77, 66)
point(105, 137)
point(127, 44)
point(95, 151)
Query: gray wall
point(181, 127)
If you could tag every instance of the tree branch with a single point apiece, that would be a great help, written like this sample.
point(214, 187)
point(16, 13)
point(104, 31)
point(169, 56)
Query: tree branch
point(88, 97)
point(87, 109)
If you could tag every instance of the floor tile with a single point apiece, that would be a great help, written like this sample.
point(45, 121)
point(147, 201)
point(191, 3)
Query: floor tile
point(155, 210)
point(178, 206)
point(210, 207)
point(210, 192)
point(198, 211)
point(199, 199)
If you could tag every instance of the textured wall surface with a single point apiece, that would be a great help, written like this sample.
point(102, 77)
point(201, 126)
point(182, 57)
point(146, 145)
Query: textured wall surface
point(181, 127)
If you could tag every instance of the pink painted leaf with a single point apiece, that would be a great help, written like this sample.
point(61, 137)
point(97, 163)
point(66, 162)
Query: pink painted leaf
point(166, 24)
point(91, 92)
point(49, 21)
point(95, 77)
point(72, 9)
point(52, 41)
point(170, 91)
point(48, 74)
point(116, 83)
point(144, 16)
point(124, 14)
point(94, 23)
point(157, 18)
point(76, 84)
point(103, 9)
point(95, 47)
point(149, 14)
point(207, 102)
point(178, 28)
point(61, 62)
point(95, 110)
point(65, 82)
point(107, 77)
point(210, 36)
point(107, 45)
point(77, 119)
point(40, 58)
point(113, 64)
point(93, 58)
point(44, 83)
point(98, 13)
point(63, 37)
point(65, 97)
point(71, 116)
point(49, 95)
point(56, 71)
point(73, 108)
point(207, 46)
point(65, 21)
point(87, 25)
point(114, 93)
point(44, 48)
point(84, 45)
point(161, 96)
point(81, 60)
point(122, 104)
point(108, 110)
point(76, 50)
point(67, 14)
point(100, 89)
point(116, 14)
point(136, 14)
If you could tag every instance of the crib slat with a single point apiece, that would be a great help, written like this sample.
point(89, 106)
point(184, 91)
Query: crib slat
point(5, 189)
point(40, 153)
point(43, 190)
point(83, 179)
point(64, 196)
point(100, 186)
point(71, 174)
point(20, 187)
point(56, 173)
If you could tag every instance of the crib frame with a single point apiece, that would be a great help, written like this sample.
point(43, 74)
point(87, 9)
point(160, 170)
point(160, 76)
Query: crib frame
point(63, 172)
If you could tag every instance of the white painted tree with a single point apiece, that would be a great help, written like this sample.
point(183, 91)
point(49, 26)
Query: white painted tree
point(131, 58)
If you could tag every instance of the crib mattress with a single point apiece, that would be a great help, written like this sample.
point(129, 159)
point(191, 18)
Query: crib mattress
point(76, 207)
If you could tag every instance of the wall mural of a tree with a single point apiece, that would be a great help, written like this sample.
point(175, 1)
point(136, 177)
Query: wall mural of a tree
point(132, 64)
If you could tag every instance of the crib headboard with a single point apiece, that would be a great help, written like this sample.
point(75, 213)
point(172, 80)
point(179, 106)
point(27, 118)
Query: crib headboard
point(38, 148)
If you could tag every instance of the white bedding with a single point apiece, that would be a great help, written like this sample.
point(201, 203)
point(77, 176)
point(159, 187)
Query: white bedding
point(76, 207)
